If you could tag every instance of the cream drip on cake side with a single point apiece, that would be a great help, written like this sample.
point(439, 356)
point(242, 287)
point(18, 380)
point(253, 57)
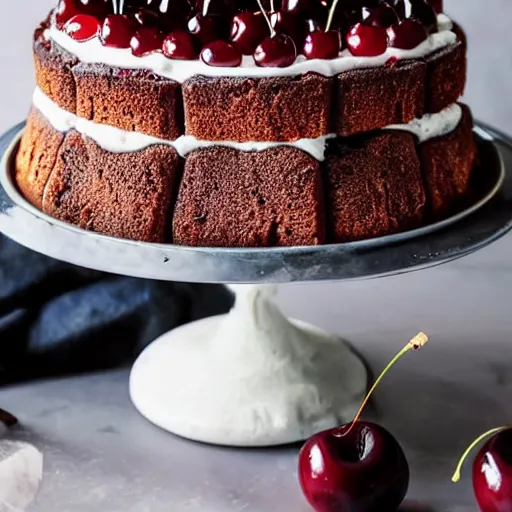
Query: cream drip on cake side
point(117, 140)
point(432, 125)
point(93, 52)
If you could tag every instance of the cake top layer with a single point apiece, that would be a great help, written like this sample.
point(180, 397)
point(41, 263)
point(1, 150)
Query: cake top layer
point(182, 38)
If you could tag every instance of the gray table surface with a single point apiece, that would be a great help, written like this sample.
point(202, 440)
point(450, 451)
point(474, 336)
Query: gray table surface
point(100, 455)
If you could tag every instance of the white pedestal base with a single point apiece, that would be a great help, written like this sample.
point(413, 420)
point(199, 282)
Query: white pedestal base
point(249, 378)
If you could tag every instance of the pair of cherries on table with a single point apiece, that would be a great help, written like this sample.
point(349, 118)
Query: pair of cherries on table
point(360, 467)
point(274, 38)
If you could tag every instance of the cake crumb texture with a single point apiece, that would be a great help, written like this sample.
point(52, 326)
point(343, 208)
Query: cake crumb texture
point(448, 163)
point(247, 199)
point(126, 195)
point(263, 109)
point(374, 186)
point(36, 157)
point(368, 99)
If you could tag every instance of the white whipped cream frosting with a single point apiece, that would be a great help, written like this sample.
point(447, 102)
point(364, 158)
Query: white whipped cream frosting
point(432, 125)
point(117, 140)
point(93, 52)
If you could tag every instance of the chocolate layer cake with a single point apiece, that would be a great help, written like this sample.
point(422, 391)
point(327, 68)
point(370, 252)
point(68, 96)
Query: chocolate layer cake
point(126, 196)
point(374, 186)
point(247, 199)
point(146, 127)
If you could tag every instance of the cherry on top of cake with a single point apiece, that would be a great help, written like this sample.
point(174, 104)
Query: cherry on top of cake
point(274, 32)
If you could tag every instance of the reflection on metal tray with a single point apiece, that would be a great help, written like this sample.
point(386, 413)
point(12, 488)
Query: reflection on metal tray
point(480, 223)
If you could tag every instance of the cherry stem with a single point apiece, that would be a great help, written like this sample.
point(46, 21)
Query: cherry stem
point(272, 6)
point(114, 3)
point(121, 6)
point(419, 341)
point(456, 475)
point(331, 15)
point(267, 19)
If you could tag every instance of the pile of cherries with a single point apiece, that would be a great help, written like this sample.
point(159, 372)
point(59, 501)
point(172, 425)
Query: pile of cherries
point(274, 32)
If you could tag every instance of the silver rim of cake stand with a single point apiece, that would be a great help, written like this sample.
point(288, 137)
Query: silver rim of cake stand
point(477, 226)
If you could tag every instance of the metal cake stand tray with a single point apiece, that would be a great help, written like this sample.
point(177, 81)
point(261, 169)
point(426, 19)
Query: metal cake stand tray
point(254, 377)
point(481, 223)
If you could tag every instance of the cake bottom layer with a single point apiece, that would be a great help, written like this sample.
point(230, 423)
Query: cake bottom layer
point(369, 185)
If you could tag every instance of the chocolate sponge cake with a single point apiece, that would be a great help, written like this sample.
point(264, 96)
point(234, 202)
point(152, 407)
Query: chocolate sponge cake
point(368, 99)
point(446, 77)
point(36, 157)
point(447, 165)
point(264, 109)
point(374, 186)
point(145, 127)
point(126, 196)
point(119, 98)
point(246, 199)
point(53, 72)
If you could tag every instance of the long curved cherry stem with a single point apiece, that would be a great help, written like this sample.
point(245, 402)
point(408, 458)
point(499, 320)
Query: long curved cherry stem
point(331, 15)
point(456, 474)
point(419, 341)
point(267, 19)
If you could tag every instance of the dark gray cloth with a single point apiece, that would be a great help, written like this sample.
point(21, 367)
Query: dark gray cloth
point(57, 319)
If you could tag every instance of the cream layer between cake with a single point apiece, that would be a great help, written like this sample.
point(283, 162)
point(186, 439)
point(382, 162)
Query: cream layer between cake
point(117, 140)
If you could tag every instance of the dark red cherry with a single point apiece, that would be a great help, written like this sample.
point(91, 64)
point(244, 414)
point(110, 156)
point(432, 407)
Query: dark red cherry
point(437, 5)
point(117, 31)
point(176, 15)
point(407, 34)
point(306, 8)
point(146, 40)
point(252, 5)
point(223, 8)
point(165, 15)
point(317, 10)
point(347, 14)
point(492, 474)
point(221, 54)
point(82, 27)
point(207, 28)
point(314, 26)
point(322, 45)
point(425, 14)
point(147, 17)
point(398, 6)
point(360, 469)
point(248, 29)
point(65, 10)
point(382, 16)
point(276, 52)
point(181, 45)
point(367, 40)
point(285, 22)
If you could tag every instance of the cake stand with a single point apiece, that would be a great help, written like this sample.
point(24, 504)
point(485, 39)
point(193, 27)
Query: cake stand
point(254, 377)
